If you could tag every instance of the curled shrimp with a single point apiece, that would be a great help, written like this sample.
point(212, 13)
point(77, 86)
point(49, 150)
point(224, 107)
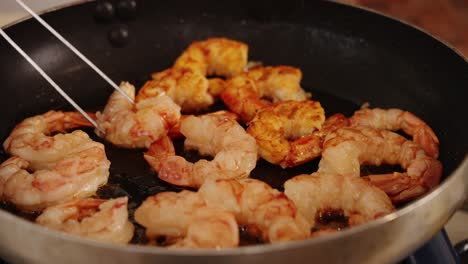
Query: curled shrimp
point(396, 119)
point(184, 220)
point(214, 56)
point(188, 89)
point(243, 94)
point(136, 126)
point(77, 174)
point(264, 211)
point(215, 134)
point(104, 220)
point(347, 148)
point(285, 132)
point(31, 138)
point(355, 198)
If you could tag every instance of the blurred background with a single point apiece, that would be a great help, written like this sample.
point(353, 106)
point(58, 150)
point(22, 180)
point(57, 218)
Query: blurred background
point(445, 19)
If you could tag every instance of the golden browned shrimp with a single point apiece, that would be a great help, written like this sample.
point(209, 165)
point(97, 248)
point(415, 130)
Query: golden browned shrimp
point(354, 197)
point(396, 119)
point(78, 173)
point(215, 134)
point(285, 132)
point(184, 220)
point(104, 220)
point(31, 138)
point(130, 126)
point(264, 211)
point(347, 148)
point(214, 56)
point(188, 89)
point(244, 94)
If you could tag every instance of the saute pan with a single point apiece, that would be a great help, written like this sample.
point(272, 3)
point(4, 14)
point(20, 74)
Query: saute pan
point(348, 57)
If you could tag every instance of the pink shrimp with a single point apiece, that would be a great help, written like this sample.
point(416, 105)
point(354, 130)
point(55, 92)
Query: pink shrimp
point(234, 151)
point(355, 198)
point(347, 148)
point(79, 173)
point(136, 126)
point(396, 119)
point(185, 220)
point(104, 220)
point(31, 139)
point(265, 211)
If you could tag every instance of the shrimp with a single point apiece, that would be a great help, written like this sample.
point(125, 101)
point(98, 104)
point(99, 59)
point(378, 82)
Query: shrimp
point(104, 220)
point(188, 89)
point(284, 132)
point(347, 148)
point(243, 94)
point(214, 56)
point(264, 211)
point(355, 198)
point(184, 220)
point(77, 174)
point(136, 127)
point(31, 138)
point(234, 151)
point(396, 119)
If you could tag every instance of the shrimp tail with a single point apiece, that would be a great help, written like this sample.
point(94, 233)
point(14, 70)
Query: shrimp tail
point(177, 171)
point(59, 121)
point(243, 99)
point(302, 151)
point(170, 168)
point(158, 152)
point(428, 141)
point(401, 187)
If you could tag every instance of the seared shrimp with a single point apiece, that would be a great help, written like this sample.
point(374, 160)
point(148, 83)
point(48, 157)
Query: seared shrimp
point(184, 220)
point(284, 132)
point(104, 220)
point(347, 148)
point(136, 126)
point(234, 151)
point(214, 56)
point(188, 89)
point(31, 138)
point(396, 119)
point(243, 94)
point(357, 199)
point(264, 211)
point(77, 174)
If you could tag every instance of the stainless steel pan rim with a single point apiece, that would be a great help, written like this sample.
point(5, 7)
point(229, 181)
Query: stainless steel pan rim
point(454, 178)
point(247, 250)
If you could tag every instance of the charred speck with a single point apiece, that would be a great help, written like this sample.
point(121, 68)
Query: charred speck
point(119, 35)
point(161, 241)
point(330, 219)
point(327, 216)
point(248, 239)
point(127, 9)
point(104, 11)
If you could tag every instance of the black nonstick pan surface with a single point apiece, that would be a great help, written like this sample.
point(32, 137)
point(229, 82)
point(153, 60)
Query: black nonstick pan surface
point(348, 57)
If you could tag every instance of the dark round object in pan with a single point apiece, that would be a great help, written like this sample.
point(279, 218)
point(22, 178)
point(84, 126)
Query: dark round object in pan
point(348, 57)
point(119, 36)
point(104, 11)
point(127, 9)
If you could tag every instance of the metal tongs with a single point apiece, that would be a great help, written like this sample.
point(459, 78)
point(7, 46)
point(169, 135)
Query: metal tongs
point(72, 48)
